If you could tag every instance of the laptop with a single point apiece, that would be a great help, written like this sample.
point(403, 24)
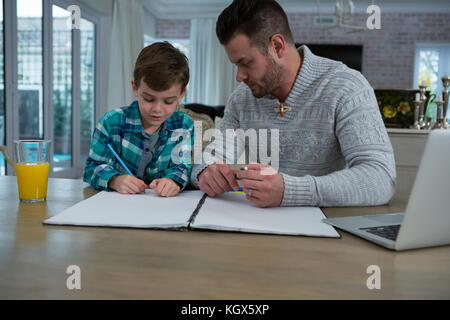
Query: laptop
point(426, 220)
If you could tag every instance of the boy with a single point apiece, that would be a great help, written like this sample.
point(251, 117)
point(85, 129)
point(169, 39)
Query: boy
point(152, 138)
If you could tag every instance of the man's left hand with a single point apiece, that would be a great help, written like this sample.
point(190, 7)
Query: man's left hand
point(263, 185)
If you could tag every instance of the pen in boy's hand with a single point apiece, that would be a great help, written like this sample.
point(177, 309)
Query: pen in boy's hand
point(118, 158)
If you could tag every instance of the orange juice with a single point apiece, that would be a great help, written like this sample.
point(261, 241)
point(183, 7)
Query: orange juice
point(32, 180)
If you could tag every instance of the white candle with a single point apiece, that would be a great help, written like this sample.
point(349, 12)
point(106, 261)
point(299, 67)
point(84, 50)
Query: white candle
point(440, 98)
point(417, 96)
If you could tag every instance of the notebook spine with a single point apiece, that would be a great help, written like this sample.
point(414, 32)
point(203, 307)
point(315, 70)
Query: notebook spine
point(197, 209)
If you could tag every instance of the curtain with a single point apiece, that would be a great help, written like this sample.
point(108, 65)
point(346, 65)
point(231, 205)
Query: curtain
point(213, 76)
point(127, 40)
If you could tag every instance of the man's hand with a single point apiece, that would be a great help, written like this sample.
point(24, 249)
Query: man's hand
point(263, 185)
point(165, 187)
point(217, 178)
point(127, 184)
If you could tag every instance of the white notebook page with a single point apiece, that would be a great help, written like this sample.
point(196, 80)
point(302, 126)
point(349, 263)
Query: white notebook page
point(232, 212)
point(148, 210)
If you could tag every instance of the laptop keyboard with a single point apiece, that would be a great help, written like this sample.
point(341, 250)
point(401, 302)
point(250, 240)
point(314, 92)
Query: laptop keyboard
point(388, 232)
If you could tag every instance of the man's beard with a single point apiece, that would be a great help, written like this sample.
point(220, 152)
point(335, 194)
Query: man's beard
point(271, 80)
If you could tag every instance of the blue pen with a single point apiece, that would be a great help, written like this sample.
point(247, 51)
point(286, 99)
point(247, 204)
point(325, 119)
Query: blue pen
point(118, 158)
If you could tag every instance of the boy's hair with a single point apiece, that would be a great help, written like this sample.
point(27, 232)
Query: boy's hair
point(161, 65)
point(257, 19)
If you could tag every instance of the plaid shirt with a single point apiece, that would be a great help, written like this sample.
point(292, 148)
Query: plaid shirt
point(123, 129)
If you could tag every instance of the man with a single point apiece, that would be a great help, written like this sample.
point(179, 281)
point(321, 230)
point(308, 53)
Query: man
point(334, 148)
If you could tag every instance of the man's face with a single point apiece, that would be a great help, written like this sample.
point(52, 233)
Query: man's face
point(260, 72)
point(156, 107)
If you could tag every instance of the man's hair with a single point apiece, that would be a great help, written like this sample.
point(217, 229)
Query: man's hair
point(257, 19)
point(161, 65)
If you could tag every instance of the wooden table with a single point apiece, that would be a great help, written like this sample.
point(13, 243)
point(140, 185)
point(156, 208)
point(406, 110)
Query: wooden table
point(120, 263)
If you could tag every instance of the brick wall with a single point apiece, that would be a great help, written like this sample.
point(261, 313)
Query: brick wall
point(172, 29)
point(388, 53)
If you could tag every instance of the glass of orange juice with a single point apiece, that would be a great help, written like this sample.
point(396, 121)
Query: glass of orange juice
point(32, 167)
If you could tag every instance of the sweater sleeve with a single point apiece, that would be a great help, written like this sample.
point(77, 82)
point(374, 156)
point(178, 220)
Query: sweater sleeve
point(369, 176)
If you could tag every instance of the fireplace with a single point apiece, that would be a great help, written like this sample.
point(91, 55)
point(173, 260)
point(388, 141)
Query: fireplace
point(351, 55)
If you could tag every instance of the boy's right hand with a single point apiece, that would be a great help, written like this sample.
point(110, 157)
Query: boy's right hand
point(127, 184)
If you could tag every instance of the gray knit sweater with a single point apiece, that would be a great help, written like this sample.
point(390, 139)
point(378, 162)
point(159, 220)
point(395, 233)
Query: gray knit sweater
point(334, 148)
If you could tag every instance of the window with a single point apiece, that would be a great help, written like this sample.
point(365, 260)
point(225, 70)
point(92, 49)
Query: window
point(87, 77)
point(29, 73)
point(432, 62)
point(56, 96)
point(2, 95)
point(62, 89)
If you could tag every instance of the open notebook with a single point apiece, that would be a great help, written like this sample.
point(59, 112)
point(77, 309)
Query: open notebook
point(193, 209)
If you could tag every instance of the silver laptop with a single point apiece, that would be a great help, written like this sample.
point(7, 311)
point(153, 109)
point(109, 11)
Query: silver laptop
point(426, 221)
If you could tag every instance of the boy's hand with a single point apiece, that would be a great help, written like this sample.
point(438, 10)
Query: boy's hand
point(127, 184)
point(165, 187)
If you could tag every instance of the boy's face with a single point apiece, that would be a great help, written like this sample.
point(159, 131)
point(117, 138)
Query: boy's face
point(156, 107)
